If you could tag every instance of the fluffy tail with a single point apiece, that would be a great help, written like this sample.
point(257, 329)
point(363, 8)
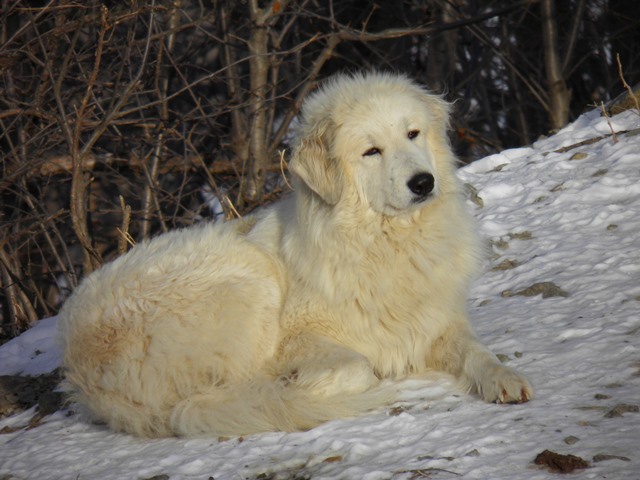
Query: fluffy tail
point(268, 406)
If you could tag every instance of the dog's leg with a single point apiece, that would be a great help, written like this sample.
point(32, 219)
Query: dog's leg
point(461, 354)
point(321, 366)
point(494, 382)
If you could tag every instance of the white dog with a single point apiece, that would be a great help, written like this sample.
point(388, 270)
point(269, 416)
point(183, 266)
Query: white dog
point(293, 315)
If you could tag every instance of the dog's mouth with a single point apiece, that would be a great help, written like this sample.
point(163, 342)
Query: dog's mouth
point(421, 198)
point(416, 203)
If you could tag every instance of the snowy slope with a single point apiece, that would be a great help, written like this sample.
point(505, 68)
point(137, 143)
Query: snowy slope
point(555, 212)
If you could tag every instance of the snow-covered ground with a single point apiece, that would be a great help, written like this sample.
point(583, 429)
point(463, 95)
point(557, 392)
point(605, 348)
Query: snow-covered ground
point(556, 212)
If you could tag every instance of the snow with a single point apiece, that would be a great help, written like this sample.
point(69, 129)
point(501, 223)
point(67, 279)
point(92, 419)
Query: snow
point(573, 220)
point(32, 353)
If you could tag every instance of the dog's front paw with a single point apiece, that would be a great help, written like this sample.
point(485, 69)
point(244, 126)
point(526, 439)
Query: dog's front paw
point(503, 385)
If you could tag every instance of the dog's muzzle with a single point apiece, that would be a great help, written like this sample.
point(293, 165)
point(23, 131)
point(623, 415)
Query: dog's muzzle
point(421, 185)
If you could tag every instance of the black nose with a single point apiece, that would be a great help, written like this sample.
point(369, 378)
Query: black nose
point(421, 184)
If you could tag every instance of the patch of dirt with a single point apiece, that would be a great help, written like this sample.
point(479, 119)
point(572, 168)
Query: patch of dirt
point(579, 156)
point(603, 457)
point(18, 393)
point(472, 194)
point(506, 264)
point(428, 473)
point(500, 244)
point(395, 411)
point(559, 463)
point(620, 409)
point(546, 289)
point(334, 459)
point(570, 440)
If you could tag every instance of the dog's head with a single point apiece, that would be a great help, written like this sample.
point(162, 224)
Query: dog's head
point(378, 139)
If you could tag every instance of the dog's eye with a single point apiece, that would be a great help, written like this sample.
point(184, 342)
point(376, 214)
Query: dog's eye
point(372, 151)
point(413, 134)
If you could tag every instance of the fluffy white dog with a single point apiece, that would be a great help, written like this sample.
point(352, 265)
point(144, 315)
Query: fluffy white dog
point(293, 315)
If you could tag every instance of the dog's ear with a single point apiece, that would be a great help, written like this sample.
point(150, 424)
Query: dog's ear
point(439, 108)
point(313, 164)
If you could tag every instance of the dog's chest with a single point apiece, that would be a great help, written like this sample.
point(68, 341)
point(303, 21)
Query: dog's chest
point(388, 308)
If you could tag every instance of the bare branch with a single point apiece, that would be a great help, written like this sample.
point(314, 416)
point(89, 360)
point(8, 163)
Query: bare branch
point(576, 20)
point(332, 42)
point(633, 96)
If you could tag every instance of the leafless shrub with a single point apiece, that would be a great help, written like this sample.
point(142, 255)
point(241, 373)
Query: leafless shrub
point(115, 116)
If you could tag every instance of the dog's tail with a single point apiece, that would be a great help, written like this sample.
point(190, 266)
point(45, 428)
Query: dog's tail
point(268, 406)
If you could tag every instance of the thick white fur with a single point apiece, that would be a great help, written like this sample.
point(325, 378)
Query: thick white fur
point(292, 316)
